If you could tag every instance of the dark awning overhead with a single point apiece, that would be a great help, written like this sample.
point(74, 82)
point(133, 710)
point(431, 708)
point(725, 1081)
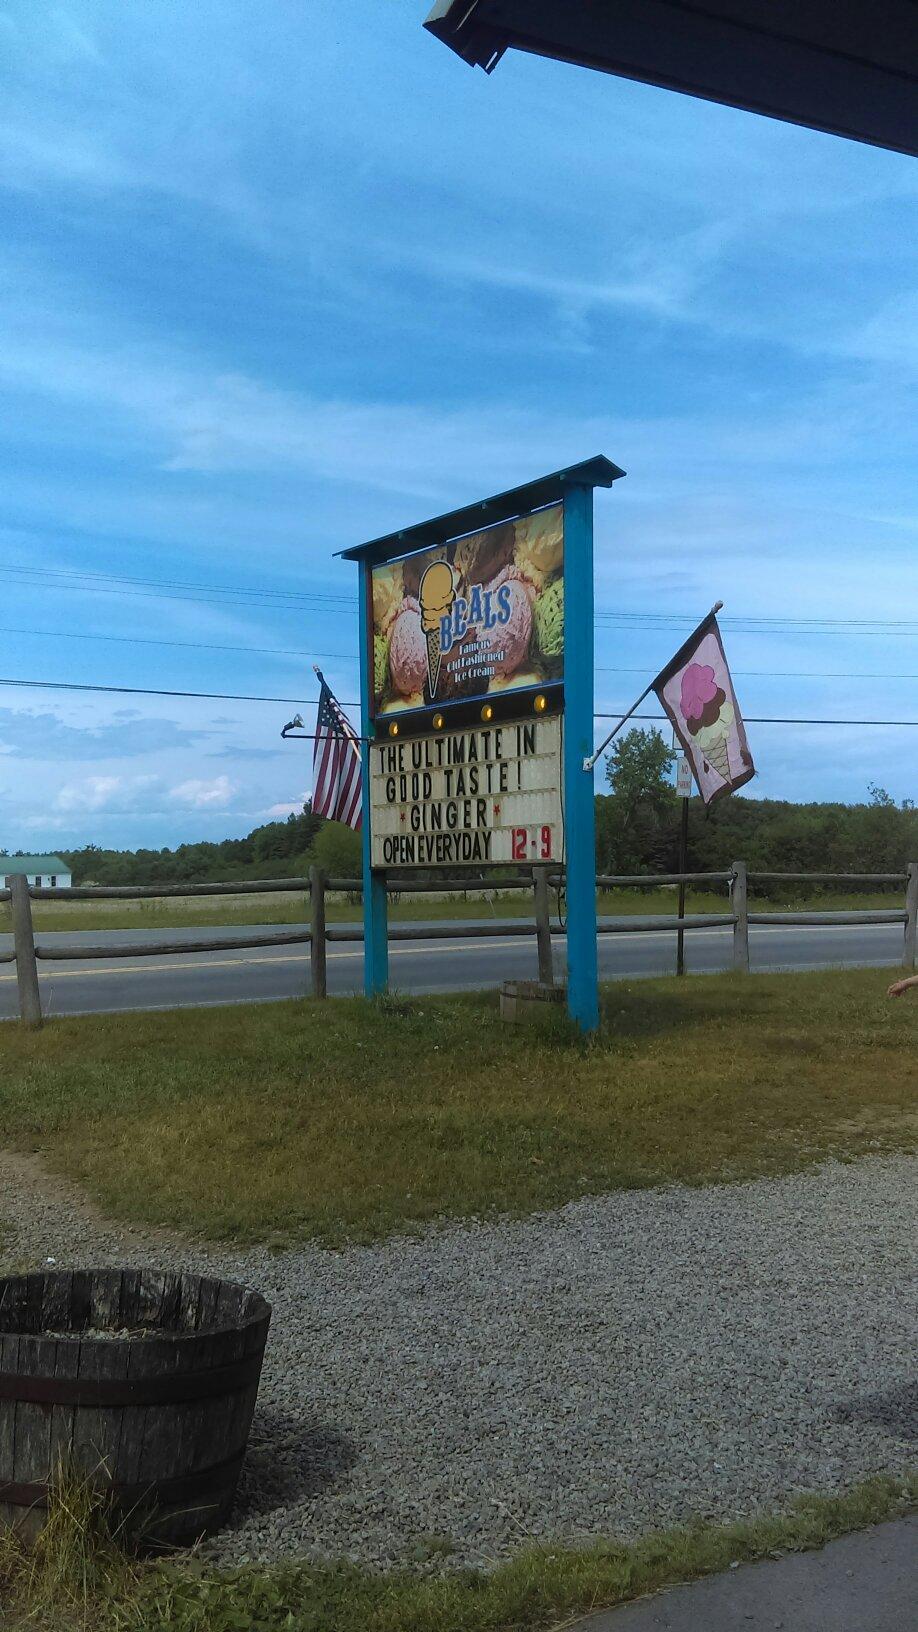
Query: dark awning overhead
point(845, 66)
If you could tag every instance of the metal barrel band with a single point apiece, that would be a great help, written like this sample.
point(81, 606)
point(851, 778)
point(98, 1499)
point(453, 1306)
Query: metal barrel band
point(187, 1487)
point(115, 1391)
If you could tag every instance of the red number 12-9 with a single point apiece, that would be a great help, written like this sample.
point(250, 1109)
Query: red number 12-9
point(519, 848)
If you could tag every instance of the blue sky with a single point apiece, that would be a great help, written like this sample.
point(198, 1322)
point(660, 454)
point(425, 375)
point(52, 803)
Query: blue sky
point(275, 279)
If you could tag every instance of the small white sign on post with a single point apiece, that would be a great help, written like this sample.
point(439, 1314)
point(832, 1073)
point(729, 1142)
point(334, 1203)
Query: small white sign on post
point(684, 778)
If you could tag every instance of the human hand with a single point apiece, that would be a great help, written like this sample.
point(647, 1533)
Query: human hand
point(898, 987)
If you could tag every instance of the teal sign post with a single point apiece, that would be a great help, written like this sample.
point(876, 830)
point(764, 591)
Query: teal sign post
point(476, 696)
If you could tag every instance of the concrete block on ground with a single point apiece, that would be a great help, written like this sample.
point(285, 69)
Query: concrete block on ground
point(531, 1003)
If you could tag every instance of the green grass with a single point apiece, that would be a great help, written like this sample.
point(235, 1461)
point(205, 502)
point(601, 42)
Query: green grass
point(534, 1592)
point(288, 907)
point(350, 1119)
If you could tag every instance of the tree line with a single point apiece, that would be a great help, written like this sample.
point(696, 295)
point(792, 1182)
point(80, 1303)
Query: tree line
point(637, 831)
point(284, 849)
point(637, 825)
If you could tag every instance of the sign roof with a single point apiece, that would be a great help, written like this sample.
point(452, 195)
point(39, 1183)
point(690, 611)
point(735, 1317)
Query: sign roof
point(835, 65)
point(470, 518)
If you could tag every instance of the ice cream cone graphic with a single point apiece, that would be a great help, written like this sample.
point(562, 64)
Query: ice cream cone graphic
point(715, 752)
point(709, 716)
point(713, 740)
point(436, 593)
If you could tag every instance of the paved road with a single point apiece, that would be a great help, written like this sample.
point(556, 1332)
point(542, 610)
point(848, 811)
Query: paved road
point(266, 973)
point(863, 1583)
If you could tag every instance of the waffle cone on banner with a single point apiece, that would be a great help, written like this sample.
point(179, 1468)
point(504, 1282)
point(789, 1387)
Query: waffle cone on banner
point(717, 755)
point(433, 660)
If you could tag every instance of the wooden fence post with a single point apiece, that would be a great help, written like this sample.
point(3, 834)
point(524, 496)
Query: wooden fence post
point(317, 929)
point(911, 917)
point(24, 943)
point(543, 925)
point(740, 898)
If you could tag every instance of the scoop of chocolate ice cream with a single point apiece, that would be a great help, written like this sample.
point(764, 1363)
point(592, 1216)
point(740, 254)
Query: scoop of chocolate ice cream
point(709, 713)
point(481, 557)
point(415, 567)
point(459, 678)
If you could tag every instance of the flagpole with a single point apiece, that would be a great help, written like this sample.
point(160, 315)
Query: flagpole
point(673, 663)
point(323, 682)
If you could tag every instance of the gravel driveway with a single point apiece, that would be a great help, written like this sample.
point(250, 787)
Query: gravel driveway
point(621, 1364)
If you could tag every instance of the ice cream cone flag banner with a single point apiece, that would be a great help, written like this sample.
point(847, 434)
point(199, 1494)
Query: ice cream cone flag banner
point(697, 694)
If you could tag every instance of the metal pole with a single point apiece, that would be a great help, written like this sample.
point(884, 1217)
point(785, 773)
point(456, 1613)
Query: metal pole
point(375, 904)
point(543, 924)
point(317, 930)
point(24, 943)
point(579, 798)
point(683, 859)
point(911, 917)
point(741, 917)
point(672, 665)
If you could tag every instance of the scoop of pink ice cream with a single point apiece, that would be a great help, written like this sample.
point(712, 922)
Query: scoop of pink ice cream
point(408, 649)
point(509, 642)
point(698, 689)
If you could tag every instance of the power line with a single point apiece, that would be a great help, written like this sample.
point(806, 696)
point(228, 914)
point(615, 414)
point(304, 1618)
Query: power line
point(778, 624)
point(238, 697)
point(174, 589)
point(756, 719)
point(340, 603)
point(185, 645)
point(347, 657)
point(148, 691)
point(779, 674)
point(169, 583)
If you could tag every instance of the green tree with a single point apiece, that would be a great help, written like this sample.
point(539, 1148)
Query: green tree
point(636, 823)
point(338, 851)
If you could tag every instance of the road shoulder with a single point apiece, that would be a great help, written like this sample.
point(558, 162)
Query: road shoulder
point(865, 1580)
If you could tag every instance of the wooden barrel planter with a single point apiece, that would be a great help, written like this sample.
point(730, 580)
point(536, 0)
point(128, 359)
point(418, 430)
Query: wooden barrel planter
point(145, 1381)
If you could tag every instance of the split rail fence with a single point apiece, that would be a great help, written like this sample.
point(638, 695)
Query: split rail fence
point(27, 953)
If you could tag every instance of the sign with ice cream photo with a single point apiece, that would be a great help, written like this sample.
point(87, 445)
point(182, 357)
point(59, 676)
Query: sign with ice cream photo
point(481, 615)
point(476, 721)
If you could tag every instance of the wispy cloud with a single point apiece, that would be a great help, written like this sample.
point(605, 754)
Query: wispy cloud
point(42, 735)
point(200, 794)
point(114, 794)
point(285, 808)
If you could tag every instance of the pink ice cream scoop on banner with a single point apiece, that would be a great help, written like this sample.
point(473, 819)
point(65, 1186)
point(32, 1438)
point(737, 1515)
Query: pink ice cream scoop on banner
point(699, 688)
point(510, 641)
point(408, 649)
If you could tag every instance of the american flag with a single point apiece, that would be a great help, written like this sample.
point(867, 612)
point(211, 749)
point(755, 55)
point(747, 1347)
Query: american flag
point(336, 785)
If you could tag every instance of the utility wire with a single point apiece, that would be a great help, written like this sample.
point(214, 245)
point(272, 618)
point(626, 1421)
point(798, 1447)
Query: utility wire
point(148, 691)
point(168, 583)
point(339, 602)
point(185, 645)
point(240, 697)
point(347, 657)
point(174, 589)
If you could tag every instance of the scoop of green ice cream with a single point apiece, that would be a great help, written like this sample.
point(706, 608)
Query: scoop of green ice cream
point(549, 623)
point(380, 664)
